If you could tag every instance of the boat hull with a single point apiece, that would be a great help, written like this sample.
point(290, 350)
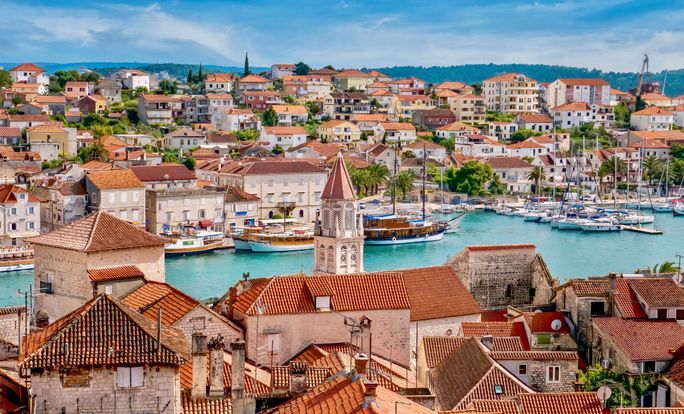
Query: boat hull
point(241, 244)
point(275, 248)
point(408, 240)
point(595, 227)
point(16, 265)
point(678, 211)
point(208, 248)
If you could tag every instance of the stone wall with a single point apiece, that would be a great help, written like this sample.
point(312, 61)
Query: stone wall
point(437, 327)
point(96, 391)
point(150, 260)
point(603, 347)
point(537, 371)
point(542, 282)
point(558, 342)
point(201, 320)
point(12, 324)
point(389, 329)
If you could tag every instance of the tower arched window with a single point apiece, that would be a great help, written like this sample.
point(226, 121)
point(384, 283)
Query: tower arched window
point(349, 216)
point(343, 256)
point(352, 254)
point(321, 254)
point(331, 256)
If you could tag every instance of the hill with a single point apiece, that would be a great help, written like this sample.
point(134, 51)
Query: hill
point(476, 73)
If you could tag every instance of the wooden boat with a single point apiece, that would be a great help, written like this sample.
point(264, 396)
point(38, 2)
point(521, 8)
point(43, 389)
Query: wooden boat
point(392, 230)
point(284, 242)
point(16, 258)
point(198, 243)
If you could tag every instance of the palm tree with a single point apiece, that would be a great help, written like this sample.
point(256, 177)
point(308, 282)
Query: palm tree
point(652, 167)
point(613, 165)
point(404, 182)
point(378, 174)
point(537, 175)
point(360, 178)
point(665, 267)
point(94, 151)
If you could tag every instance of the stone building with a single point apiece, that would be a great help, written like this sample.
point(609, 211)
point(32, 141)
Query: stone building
point(543, 371)
point(502, 275)
point(165, 176)
point(118, 192)
point(581, 300)
point(181, 311)
point(104, 357)
point(62, 203)
point(339, 225)
point(171, 209)
point(12, 328)
point(97, 253)
point(278, 313)
point(240, 209)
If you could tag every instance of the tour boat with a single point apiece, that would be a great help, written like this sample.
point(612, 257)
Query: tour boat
point(604, 224)
point(16, 258)
point(392, 230)
point(197, 243)
point(283, 242)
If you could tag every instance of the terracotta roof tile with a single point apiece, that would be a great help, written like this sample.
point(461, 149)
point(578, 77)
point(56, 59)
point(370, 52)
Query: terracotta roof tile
point(507, 162)
point(339, 185)
point(290, 109)
point(584, 81)
point(497, 406)
point(643, 339)
point(99, 232)
point(151, 296)
point(220, 77)
point(283, 295)
point(653, 410)
point(573, 106)
point(478, 329)
point(541, 322)
point(115, 273)
point(534, 355)
point(8, 194)
point(397, 126)
point(652, 110)
point(253, 79)
point(658, 292)
point(561, 403)
point(437, 348)
point(285, 130)
point(164, 172)
point(102, 332)
point(114, 179)
point(627, 301)
point(234, 194)
point(507, 344)
point(205, 405)
point(437, 292)
point(27, 67)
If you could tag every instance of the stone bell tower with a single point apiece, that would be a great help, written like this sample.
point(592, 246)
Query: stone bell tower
point(339, 226)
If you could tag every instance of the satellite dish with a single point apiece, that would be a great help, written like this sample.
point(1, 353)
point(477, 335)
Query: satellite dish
point(677, 277)
point(556, 324)
point(603, 393)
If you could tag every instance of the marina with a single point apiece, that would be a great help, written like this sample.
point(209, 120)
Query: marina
point(567, 253)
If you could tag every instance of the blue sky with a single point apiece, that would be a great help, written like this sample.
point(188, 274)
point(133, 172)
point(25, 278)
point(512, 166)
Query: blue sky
point(604, 34)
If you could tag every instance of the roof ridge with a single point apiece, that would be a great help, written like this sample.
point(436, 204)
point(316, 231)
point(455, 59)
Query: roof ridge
point(91, 233)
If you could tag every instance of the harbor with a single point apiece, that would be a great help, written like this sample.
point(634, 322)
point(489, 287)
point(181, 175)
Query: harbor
point(567, 253)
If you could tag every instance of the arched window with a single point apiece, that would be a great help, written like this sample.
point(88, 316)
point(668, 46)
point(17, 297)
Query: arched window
point(301, 213)
point(331, 257)
point(349, 216)
point(352, 254)
point(343, 257)
point(270, 214)
point(321, 254)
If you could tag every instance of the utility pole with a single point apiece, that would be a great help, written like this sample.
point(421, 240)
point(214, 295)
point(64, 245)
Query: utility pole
point(679, 267)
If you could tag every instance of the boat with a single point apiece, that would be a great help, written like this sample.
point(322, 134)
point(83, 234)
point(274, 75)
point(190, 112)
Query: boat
point(678, 209)
point(16, 258)
point(662, 207)
point(634, 218)
point(601, 225)
point(194, 243)
point(454, 224)
point(282, 242)
point(569, 223)
point(533, 216)
point(391, 230)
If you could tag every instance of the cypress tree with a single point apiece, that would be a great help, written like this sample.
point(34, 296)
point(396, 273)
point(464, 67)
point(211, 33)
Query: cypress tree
point(190, 76)
point(199, 75)
point(246, 71)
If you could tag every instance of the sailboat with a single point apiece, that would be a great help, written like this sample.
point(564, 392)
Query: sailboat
point(395, 230)
point(636, 218)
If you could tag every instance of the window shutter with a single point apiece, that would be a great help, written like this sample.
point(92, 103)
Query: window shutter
point(123, 377)
point(137, 376)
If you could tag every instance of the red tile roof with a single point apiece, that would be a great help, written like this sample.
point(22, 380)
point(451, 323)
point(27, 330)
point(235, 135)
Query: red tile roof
point(114, 179)
point(478, 329)
point(535, 118)
point(658, 292)
point(253, 79)
point(437, 348)
point(99, 232)
point(652, 110)
point(234, 194)
point(151, 296)
point(534, 355)
point(496, 406)
point(584, 81)
point(627, 301)
point(8, 194)
point(642, 339)
point(573, 106)
point(588, 287)
point(115, 273)
point(27, 67)
point(283, 295)
point(494, 247)
point(220, 77)
point(507, 162)
point(164, 172)
point(561, 403)
point(655, 410)
point(494, 315)
point(103, 332)
point(339, 185)
point(437, 292)
point(285, 130)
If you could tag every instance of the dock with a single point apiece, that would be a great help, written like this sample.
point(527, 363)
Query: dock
point(643, 230)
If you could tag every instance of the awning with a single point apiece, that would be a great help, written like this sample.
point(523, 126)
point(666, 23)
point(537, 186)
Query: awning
point(205, 223)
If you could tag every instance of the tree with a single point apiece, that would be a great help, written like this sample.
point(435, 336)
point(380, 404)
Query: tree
point(360, 177)
point(246, 71)
point(189, 81)
point(269, 117)
point(477, 88)
point(677, 151)
point(247, 135)
point(302, 68)
point(200, 75)
point(537, 175)
point(622, 113)
point(470, 178)
point(613, 166)
point(623, 388)
point(289, 99)
point(94, 151)
point(639, 104)
point(404, 182)
point(375, 103)
point(378, 175)
point(168, 87)
point(277, 149)
point(190, 163)
point(496, 186)
point(665, 267)
point(522, 134)
point(48, 165)
point(651, 167)
point(5, 79)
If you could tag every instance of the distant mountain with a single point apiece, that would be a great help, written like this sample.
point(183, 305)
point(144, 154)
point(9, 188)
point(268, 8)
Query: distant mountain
point(543, 73)
point(174, 69)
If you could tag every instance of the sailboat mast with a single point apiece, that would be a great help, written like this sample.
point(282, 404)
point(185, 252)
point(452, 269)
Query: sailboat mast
point(422, 195)
point(553, 159)
point(394, 178)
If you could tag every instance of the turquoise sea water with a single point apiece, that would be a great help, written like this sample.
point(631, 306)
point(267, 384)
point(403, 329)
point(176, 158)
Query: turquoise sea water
point(567, 253)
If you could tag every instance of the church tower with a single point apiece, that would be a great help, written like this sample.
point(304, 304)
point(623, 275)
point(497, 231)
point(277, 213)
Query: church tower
point(339, 226)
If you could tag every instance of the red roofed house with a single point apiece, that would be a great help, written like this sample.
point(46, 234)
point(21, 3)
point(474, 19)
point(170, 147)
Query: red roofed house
point(309, 86)
point(501, 275)
point(219, 82)
point(118, 192)
point(253, 83)
point(261, 100)
point(469, 108)
point(285, 137)
point(104, 356)
point(159, 109)
point(534, 122)
point(30, 73)
point(579, 113)
point(591, 91)
point(511, 93)
point(280, 70)
point(287, 307)
point(165, 176)
point(428, 149)
point(97, 254)
point(393, 132)
point(289, 115)
point(513, 171)
point(235, 119)
point(652, 118)
point(351, 79)
point(19, 213)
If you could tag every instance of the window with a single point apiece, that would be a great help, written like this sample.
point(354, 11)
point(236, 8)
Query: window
point(662, 313)
point(112, 197)
point(129, 377)
point(648, 366)
point(202, 214)
point(273, 342)
point(553, 373)
point(680, 314)
point(597, 308)
point(13, 226)
point(322, 302)
point(522, 369)
point(13, 211)
point(136, 215)
point(108, 289)
point(30, 225)
point(124, 196)
point(136, 196)
point(543, 339)
point(498, 389)
point(29, 210)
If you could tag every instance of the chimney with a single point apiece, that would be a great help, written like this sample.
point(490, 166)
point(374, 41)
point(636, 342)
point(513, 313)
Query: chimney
point(612, 291)
point(240, 403)
point(360, 364)
point(365, 334)
point(488, 341)
point(232, 297)
point(237, 368)
point(199, 365)
point(216, 387)
point(369, 392)
point(298, 380)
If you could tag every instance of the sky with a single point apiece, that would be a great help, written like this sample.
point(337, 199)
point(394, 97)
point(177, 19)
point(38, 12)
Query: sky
point(604, 34)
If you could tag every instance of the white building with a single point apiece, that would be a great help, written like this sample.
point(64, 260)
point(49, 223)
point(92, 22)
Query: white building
point(289, 115)
point(513, 172)
point(219, 82)
point(511, 93)
point(591, 91)
point(235, 119)
point(30, 73)
point(280, 70)
point(285, 137)
point(20, 214)
point(183, 138)
point(572, 114)
point(427, 149)
point(652, 118)
point(219, 102)
point(393, 132)
point(133, 79)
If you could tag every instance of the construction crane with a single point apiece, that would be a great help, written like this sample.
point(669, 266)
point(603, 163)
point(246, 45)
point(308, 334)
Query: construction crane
point(644, 70)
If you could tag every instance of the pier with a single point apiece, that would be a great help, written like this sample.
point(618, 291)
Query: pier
point(643, 230)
